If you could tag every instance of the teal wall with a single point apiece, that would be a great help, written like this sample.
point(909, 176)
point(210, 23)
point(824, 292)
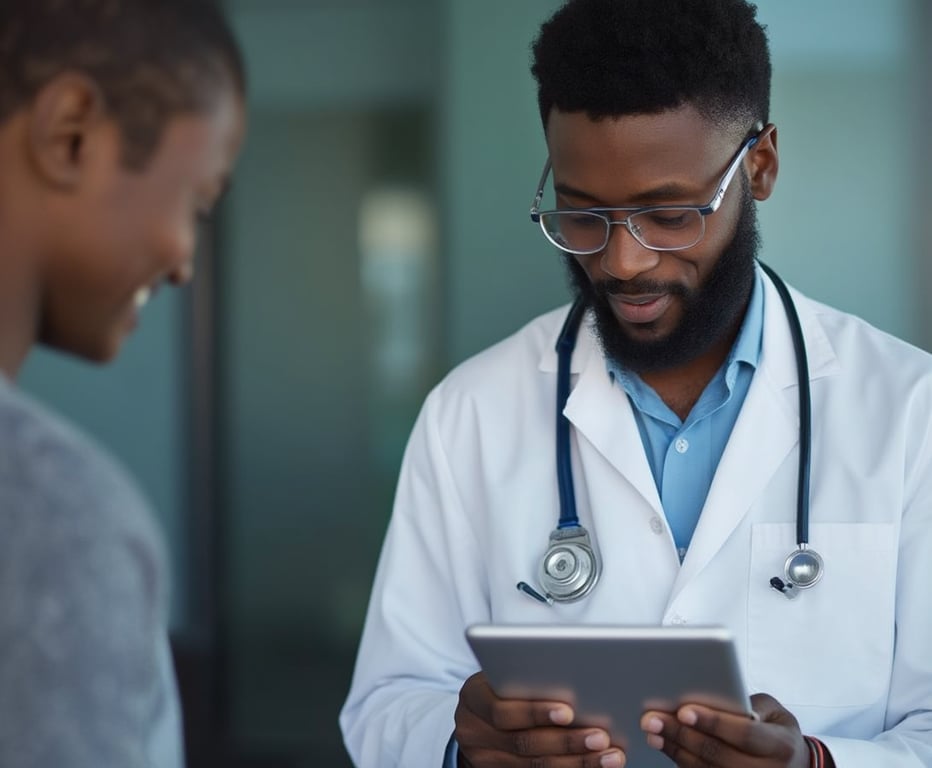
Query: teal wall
point(499, 271)
point(844, 221)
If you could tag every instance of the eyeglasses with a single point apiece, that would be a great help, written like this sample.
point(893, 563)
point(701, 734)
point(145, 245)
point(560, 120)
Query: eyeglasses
point(584, 231)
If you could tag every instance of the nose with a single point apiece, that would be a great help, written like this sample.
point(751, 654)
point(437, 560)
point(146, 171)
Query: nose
point(623, 257)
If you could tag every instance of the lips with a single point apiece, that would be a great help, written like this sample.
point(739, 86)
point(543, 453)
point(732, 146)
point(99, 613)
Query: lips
point(641, 308)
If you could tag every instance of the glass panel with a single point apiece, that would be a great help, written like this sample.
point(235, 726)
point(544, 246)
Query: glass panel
point(331, 345)
point(846, 102)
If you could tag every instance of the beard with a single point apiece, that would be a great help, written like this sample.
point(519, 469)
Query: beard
point(710, 311)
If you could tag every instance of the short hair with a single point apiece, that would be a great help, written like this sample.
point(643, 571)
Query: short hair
point(624, 57)
point(151, 59)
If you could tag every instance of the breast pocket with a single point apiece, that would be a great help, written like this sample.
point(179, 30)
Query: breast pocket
point(832, 645)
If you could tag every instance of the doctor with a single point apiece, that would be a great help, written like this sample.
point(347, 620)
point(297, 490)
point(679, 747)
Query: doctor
point(684, 441)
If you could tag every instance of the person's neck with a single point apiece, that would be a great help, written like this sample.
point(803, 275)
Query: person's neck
point(681, 387)
point(17, 334)
point(18, 310)
point(12, 357)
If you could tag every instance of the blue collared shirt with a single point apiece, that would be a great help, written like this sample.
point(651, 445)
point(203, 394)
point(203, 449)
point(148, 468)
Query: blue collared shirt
point(683, 455)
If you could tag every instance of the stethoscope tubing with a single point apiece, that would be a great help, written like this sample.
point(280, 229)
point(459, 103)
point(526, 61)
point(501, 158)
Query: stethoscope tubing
point(565, 345)
point(567, 342)
point(805, 407)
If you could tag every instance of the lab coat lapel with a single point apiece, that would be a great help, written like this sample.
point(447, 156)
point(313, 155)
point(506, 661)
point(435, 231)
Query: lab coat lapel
point(766, 431)
point(600, 412)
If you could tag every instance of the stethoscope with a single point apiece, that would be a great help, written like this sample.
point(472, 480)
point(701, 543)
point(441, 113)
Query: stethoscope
point(571, 567)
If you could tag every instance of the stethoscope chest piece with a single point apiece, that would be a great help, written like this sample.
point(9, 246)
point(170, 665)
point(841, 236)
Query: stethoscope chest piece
point(803, 569)
point(569, 569)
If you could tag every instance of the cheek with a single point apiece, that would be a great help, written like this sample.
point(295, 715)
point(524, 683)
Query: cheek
point(703, 265)
point(588, 267)
point(692, 267)
point(695, 264)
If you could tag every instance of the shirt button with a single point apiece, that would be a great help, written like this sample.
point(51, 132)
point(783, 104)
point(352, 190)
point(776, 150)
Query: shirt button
point(681, 445)
point(655, 525)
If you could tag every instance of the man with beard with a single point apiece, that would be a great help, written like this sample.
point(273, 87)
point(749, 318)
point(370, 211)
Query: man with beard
point(687, 438)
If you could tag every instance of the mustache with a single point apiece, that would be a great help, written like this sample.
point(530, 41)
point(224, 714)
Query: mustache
point(614, 287)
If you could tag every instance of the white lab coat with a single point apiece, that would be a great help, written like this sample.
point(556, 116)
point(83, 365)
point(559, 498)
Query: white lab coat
point(477, 499)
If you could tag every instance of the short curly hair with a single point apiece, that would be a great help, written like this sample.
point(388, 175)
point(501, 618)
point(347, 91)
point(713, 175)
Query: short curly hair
point(623, 57)
point(151, 59)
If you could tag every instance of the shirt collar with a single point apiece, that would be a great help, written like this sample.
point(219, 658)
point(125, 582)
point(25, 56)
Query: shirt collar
point(747, 346)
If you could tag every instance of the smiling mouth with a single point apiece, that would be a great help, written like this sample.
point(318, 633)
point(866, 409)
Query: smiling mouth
point(637, 300)
point(640, 309)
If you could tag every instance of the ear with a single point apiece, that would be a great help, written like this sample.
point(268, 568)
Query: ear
point(63, 115)
point(763, 163)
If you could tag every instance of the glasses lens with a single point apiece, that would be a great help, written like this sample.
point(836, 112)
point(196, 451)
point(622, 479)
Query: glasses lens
point(576, 232)
point(668, 229)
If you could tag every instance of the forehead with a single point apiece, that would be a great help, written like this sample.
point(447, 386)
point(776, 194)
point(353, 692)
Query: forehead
point(628, 156)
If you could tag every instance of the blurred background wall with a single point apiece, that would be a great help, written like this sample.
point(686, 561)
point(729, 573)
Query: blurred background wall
point(377, 234)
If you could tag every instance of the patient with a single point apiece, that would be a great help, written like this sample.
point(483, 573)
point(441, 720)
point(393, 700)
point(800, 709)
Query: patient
point(120, 121)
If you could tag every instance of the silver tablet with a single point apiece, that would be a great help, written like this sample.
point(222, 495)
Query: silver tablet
point(612, 675)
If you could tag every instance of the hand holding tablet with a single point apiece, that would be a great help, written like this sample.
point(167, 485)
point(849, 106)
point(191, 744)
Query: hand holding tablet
point(611, 676)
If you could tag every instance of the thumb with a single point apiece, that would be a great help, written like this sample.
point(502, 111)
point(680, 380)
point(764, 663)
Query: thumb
point(769, 710)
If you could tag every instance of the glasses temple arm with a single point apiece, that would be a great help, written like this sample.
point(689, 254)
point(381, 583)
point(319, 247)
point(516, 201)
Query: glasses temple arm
point(730, 174)
point(535, 206)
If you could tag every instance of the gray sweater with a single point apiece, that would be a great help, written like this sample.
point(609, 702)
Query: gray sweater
point(85, 674)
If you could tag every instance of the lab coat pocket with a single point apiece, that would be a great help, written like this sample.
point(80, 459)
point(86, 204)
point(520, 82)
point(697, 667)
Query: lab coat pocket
point(832, 645)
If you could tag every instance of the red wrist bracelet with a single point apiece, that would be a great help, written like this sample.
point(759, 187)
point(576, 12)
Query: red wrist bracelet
point(816, 752)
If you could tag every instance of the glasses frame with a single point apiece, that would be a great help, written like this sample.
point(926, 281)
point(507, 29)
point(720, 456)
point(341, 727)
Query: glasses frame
point(604, 212)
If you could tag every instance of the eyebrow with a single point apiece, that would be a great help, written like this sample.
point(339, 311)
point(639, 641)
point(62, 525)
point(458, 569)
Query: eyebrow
point(665, 193)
